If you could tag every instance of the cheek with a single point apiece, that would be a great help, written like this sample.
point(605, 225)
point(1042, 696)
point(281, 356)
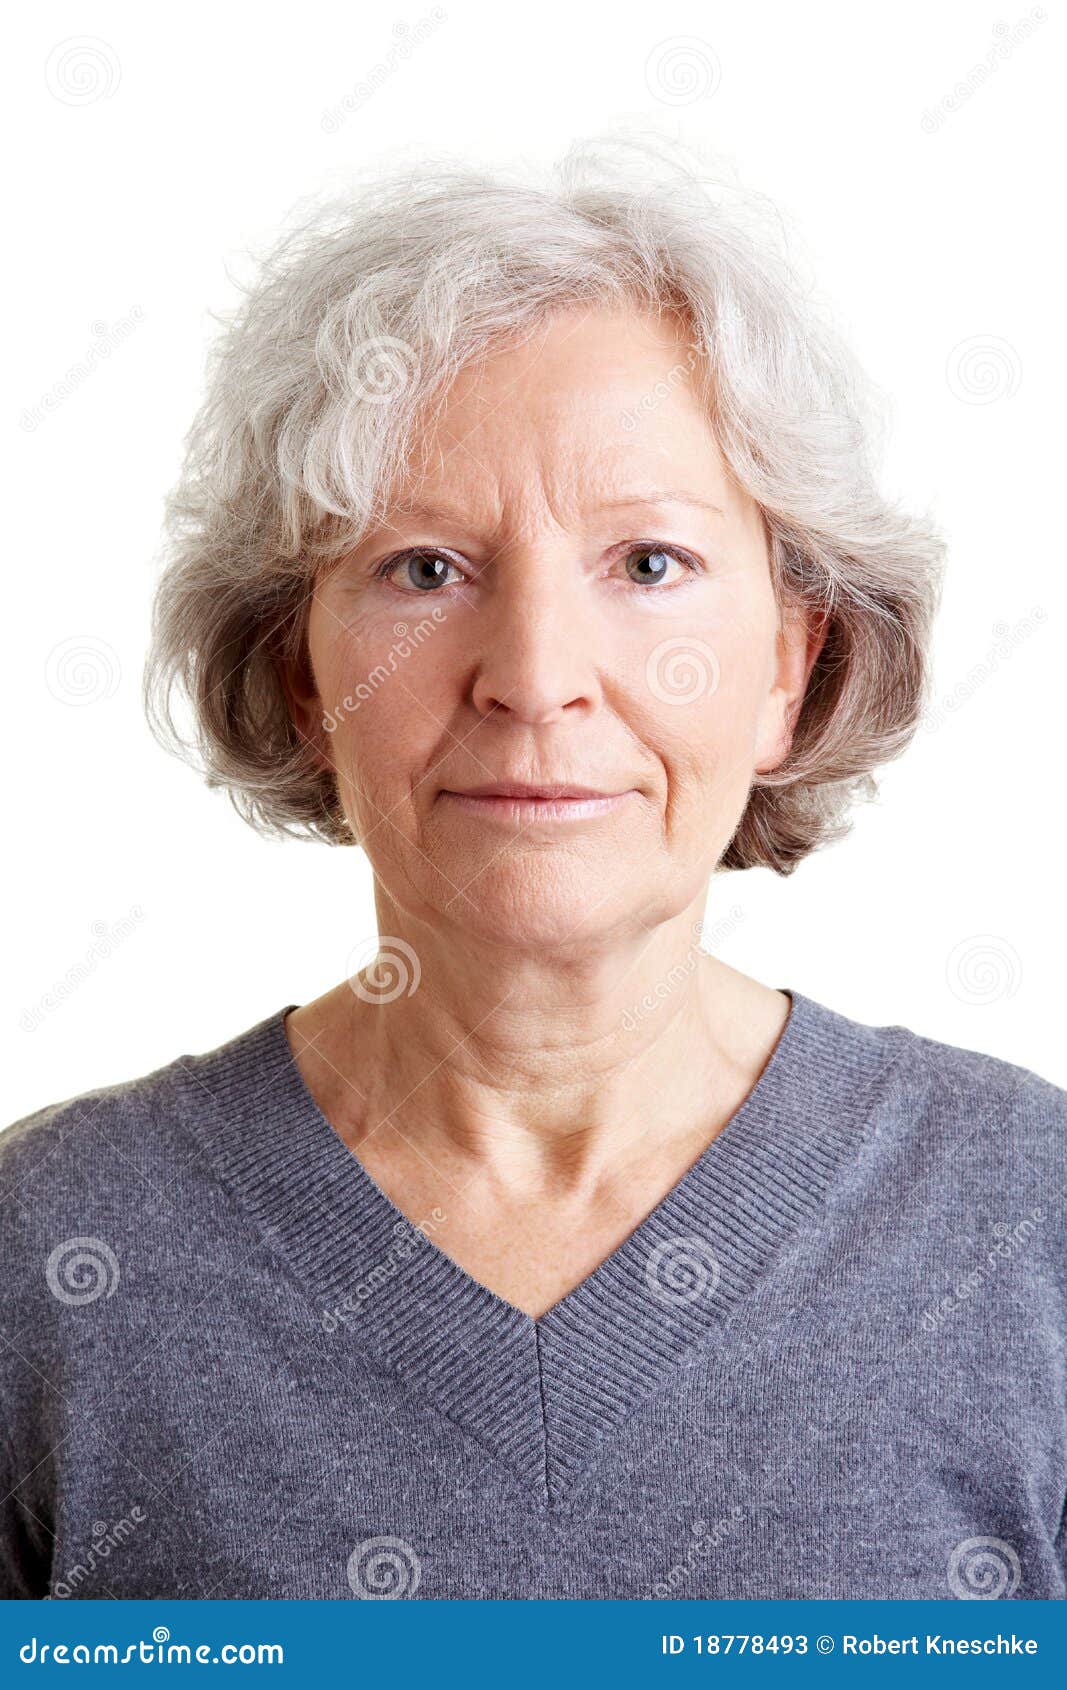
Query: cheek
point(706, 746)
point(356, 667)
point(701, 697)
point(381, 727)
point(371, 756)
point(707, 775)
point(384, 658)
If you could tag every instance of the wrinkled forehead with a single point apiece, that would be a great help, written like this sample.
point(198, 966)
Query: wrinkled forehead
point(595, 407)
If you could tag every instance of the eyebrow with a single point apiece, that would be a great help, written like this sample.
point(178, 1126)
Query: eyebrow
point(653, 496)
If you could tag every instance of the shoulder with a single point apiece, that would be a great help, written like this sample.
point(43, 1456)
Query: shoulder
point(79, 1179)
point(955, 1123)
point(971, 1088)
point(111, 1199)
point(979, 1143)
point(94, 1164)
point(947, 1085)
point(58, 1144)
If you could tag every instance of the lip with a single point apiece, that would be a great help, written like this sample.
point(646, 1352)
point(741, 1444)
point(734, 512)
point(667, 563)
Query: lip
point(512, 801)
point(529, 789)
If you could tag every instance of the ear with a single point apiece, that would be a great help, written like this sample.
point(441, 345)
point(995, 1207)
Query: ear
point(801, 635)
point(304, 705)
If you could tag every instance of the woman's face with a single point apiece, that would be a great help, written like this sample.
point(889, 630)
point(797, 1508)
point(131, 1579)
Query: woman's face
point(570, 590)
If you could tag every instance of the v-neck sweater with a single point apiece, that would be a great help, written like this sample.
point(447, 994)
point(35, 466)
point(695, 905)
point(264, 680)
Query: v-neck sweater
point(829, 1363)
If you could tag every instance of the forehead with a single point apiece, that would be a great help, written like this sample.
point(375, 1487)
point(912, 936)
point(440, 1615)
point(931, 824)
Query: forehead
point(598, 399)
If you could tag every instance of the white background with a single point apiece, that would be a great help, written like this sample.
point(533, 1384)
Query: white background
point(143, 164)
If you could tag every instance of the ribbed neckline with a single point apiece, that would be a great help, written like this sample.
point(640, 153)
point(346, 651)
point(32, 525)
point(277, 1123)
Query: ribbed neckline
point(538, 1395)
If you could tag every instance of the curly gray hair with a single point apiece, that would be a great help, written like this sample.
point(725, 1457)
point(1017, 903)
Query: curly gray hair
point(360, 315)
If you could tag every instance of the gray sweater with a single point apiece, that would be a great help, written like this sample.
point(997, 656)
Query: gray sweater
point(830, 1363)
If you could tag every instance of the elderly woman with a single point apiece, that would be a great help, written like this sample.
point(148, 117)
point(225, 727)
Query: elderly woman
point(528, 538)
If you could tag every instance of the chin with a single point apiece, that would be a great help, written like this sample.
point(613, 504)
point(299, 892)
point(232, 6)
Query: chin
point(540, 905)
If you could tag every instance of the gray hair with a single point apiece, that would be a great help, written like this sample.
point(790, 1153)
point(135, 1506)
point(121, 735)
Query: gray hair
point(359, 316)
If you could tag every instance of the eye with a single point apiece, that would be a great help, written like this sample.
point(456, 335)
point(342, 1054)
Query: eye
point(424, 569)
point(419, 571)
point(649, 565)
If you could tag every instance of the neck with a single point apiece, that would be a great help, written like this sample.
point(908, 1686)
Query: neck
point(538, 1072)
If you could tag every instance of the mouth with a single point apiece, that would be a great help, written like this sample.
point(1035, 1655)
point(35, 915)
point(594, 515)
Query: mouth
point(515, 802)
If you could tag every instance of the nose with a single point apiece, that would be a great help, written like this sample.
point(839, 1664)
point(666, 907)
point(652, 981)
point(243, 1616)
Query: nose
point(536, 648)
